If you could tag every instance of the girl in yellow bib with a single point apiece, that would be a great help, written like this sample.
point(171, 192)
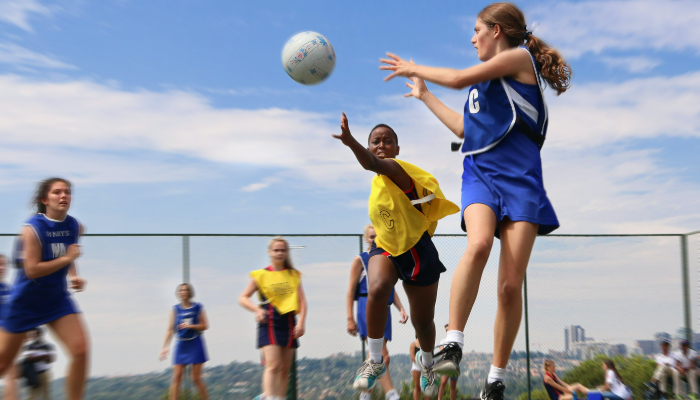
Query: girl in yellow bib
point(281, 299)
point(404, 207)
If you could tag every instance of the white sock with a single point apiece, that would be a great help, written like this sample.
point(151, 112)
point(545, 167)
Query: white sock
point(426, 358)
point(365, 395)
point(496, 374)
point(456, 337)
point(375, 349)
point(392, 395)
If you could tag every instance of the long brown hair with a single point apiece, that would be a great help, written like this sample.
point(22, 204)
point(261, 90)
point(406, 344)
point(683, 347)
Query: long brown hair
point(42, 192)
point(611, 365)
point(553, 69)
point(288, 260)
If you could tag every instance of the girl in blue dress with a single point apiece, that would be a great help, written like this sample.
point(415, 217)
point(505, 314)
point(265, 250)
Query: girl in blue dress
point(45, 256)
point(187, 321)
point(503, 126)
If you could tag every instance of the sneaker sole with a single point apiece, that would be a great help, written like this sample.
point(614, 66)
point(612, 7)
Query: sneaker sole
point(357, 386)
point(447, 369)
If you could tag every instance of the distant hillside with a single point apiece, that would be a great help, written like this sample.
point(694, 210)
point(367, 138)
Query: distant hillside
point(326, 378)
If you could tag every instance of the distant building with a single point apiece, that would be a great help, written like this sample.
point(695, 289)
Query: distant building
point(573, 335)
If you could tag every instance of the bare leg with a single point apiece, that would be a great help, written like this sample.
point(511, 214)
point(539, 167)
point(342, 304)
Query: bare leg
point(453, 389)
point(443, 383)
point(10, 344)
point(197, 380)
point(71, 331)
point(416, 384)
point(11, 383)
point(177, 380)
point(382, 277)
point(385, 380)
point(481, 224)
point(287, 356)
point(422, 302)
point(517, 239)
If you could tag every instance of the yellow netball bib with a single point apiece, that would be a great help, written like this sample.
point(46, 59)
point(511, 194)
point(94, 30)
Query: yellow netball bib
point(279, 288)
point(399, 225)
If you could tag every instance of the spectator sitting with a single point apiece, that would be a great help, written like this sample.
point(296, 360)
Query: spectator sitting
point(614, 387)
point(556, 388)
point(685, 364)
point(665, 366)
point(36, 357)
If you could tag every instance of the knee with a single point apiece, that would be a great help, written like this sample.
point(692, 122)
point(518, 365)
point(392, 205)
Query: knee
point(423, 327)
point(379, 289)
point(510, 292)
point(273, 366)
point(480, 248)
point(177, 377)
point(196, 378)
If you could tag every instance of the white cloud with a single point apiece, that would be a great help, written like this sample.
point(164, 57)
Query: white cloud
point(14, 54)
point(631, 64)
point(17, 12)
point(596, 183)
point(577, 28)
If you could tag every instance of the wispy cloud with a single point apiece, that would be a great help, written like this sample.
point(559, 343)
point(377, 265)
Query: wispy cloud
point(631, 64)
point(254, 187)
point(577, 28)
point(18, 12)
point(13, 54)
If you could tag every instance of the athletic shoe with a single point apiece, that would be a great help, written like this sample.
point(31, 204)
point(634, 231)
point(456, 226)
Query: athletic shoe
point(449, 364)
point(427, 377)
point(493, 391)
point(368, 373)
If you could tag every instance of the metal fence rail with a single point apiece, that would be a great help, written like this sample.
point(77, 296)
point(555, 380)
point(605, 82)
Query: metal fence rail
point(600, 283)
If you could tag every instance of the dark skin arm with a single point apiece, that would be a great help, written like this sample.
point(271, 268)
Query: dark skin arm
point(382, 166)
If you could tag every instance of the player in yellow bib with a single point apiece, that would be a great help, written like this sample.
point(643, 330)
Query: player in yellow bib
point(404, 207)
point(281, 299)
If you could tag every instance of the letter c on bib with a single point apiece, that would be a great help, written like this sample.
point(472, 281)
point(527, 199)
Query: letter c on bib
point(473, 104)
point(387, 219)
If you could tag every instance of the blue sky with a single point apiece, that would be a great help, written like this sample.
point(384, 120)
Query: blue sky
point(177, 116)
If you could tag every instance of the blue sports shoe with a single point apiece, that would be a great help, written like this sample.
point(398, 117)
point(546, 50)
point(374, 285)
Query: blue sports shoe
point(427, 377)
point(368, 373)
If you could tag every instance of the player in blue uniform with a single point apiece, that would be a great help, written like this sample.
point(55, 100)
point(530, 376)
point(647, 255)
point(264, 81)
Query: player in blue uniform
point(503, 126)
point(187, 320)
point(45, 255)
point(357, 291)
point(281, 299)
point(10, 388)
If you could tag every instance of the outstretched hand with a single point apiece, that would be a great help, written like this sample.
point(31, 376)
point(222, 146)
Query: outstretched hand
point(345, 135)
point(418, 88)
point(399, 66)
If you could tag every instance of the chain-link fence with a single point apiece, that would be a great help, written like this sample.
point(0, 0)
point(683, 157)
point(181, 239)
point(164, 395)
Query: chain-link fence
point(585, 295)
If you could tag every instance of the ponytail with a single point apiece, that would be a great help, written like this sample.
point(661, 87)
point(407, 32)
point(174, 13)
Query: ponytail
point(552, 67)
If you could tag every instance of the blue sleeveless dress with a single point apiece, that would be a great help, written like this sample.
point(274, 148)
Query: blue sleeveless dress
point(189, 348)
point(502, 165)
point(361, 297)
point(35, 302)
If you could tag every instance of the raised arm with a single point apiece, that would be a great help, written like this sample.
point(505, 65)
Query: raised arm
point(33, 266)
point(514, 63)
point(168, 336)
point(355, 272)
point(370, 162)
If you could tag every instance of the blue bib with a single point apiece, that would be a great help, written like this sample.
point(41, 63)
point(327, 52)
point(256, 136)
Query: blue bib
point(191, 317)
point(4, 295)
point(361, 290)
point(494, 107)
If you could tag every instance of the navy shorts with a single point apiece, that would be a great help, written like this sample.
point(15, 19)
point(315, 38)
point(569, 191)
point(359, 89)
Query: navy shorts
point(419, 266)
point(277, 330)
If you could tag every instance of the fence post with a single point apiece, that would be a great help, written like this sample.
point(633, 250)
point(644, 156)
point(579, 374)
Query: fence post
point(361, 340)
point(686, 289)
point(527, 341)
point(292, 386)
point(185, 259)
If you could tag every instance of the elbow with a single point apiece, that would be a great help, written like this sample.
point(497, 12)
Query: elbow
point(31, 273)
point(455, 81)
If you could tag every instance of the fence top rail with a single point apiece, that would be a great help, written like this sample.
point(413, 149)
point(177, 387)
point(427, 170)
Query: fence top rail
point(354, 234)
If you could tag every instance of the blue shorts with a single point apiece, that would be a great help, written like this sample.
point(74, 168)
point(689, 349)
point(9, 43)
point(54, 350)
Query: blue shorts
point(362, 319)
point(508, 179)
point(277, 330)
point(190, 352)
point(419, 266)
